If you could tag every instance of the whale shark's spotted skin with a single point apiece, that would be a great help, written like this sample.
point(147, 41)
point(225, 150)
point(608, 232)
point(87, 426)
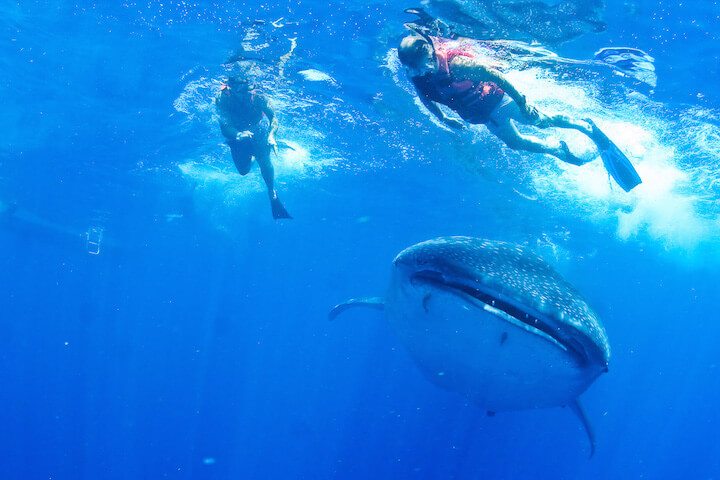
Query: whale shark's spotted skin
point(493, 322)
point(514, 272)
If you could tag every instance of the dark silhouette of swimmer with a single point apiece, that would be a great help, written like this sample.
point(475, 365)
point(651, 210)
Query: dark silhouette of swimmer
point(249, 124)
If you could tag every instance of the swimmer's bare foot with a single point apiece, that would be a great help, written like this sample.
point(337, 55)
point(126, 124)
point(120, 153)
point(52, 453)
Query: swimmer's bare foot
point(569, 157)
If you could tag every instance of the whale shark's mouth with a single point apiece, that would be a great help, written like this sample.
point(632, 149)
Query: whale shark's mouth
point(508, 311)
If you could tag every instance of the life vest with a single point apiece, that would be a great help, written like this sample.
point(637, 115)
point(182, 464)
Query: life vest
point(473, 101)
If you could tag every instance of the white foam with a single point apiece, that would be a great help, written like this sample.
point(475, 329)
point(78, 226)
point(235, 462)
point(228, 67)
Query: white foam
point(312, 75)
point(669, 207)
point(196, 99)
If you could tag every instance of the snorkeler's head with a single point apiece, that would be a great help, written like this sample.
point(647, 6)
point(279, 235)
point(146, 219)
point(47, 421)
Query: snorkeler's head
point(237, 82)
point(414, 51)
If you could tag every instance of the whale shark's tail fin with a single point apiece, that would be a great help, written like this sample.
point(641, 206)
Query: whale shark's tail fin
point(376, 303)
point(580, 412)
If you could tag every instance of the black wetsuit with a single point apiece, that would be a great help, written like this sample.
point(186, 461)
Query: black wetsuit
point(239, 112)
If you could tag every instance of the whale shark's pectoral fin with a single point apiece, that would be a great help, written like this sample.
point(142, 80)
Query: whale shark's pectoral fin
point(376, 303)
point(580, 412)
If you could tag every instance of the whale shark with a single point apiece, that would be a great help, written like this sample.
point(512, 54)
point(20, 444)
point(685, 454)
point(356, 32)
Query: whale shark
point(492, 321)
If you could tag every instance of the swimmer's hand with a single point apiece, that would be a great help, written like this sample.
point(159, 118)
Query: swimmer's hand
point(272, 143)
point(244, 134)
point(532, 112)
point(453, 123)
point(271, 140)
point(528, 110)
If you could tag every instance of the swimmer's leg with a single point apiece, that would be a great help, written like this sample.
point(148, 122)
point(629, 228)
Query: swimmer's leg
point(267, 169)
point(503, 118)
point(268, 173)
point(562, 121)
point(583, 126)
point(506, 131)
point(241, 151)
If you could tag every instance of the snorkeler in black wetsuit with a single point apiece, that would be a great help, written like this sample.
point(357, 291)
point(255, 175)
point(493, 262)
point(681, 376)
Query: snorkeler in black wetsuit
point(241, 109)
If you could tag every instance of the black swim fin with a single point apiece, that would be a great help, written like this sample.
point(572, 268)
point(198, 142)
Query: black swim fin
point(278, 209)
point(615, 161)
point(285, 145)
point(422, 15)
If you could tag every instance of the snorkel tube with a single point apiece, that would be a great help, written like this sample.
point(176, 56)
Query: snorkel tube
point(419, 30)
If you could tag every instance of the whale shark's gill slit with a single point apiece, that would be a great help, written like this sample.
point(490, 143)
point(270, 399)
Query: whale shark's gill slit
point(438, 280)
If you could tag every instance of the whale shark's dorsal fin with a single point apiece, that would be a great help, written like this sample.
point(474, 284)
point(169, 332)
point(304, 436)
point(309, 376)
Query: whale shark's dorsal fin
point(580, 412)
point(377, 303)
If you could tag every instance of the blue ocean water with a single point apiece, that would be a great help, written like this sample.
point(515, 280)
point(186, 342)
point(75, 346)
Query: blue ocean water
point(156, 322)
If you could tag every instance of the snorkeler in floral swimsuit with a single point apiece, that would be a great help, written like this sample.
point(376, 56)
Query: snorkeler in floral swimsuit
point(443, 72)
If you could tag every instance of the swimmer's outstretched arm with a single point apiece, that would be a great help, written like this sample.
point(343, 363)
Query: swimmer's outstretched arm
point(270, 114)
point(435, 110)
